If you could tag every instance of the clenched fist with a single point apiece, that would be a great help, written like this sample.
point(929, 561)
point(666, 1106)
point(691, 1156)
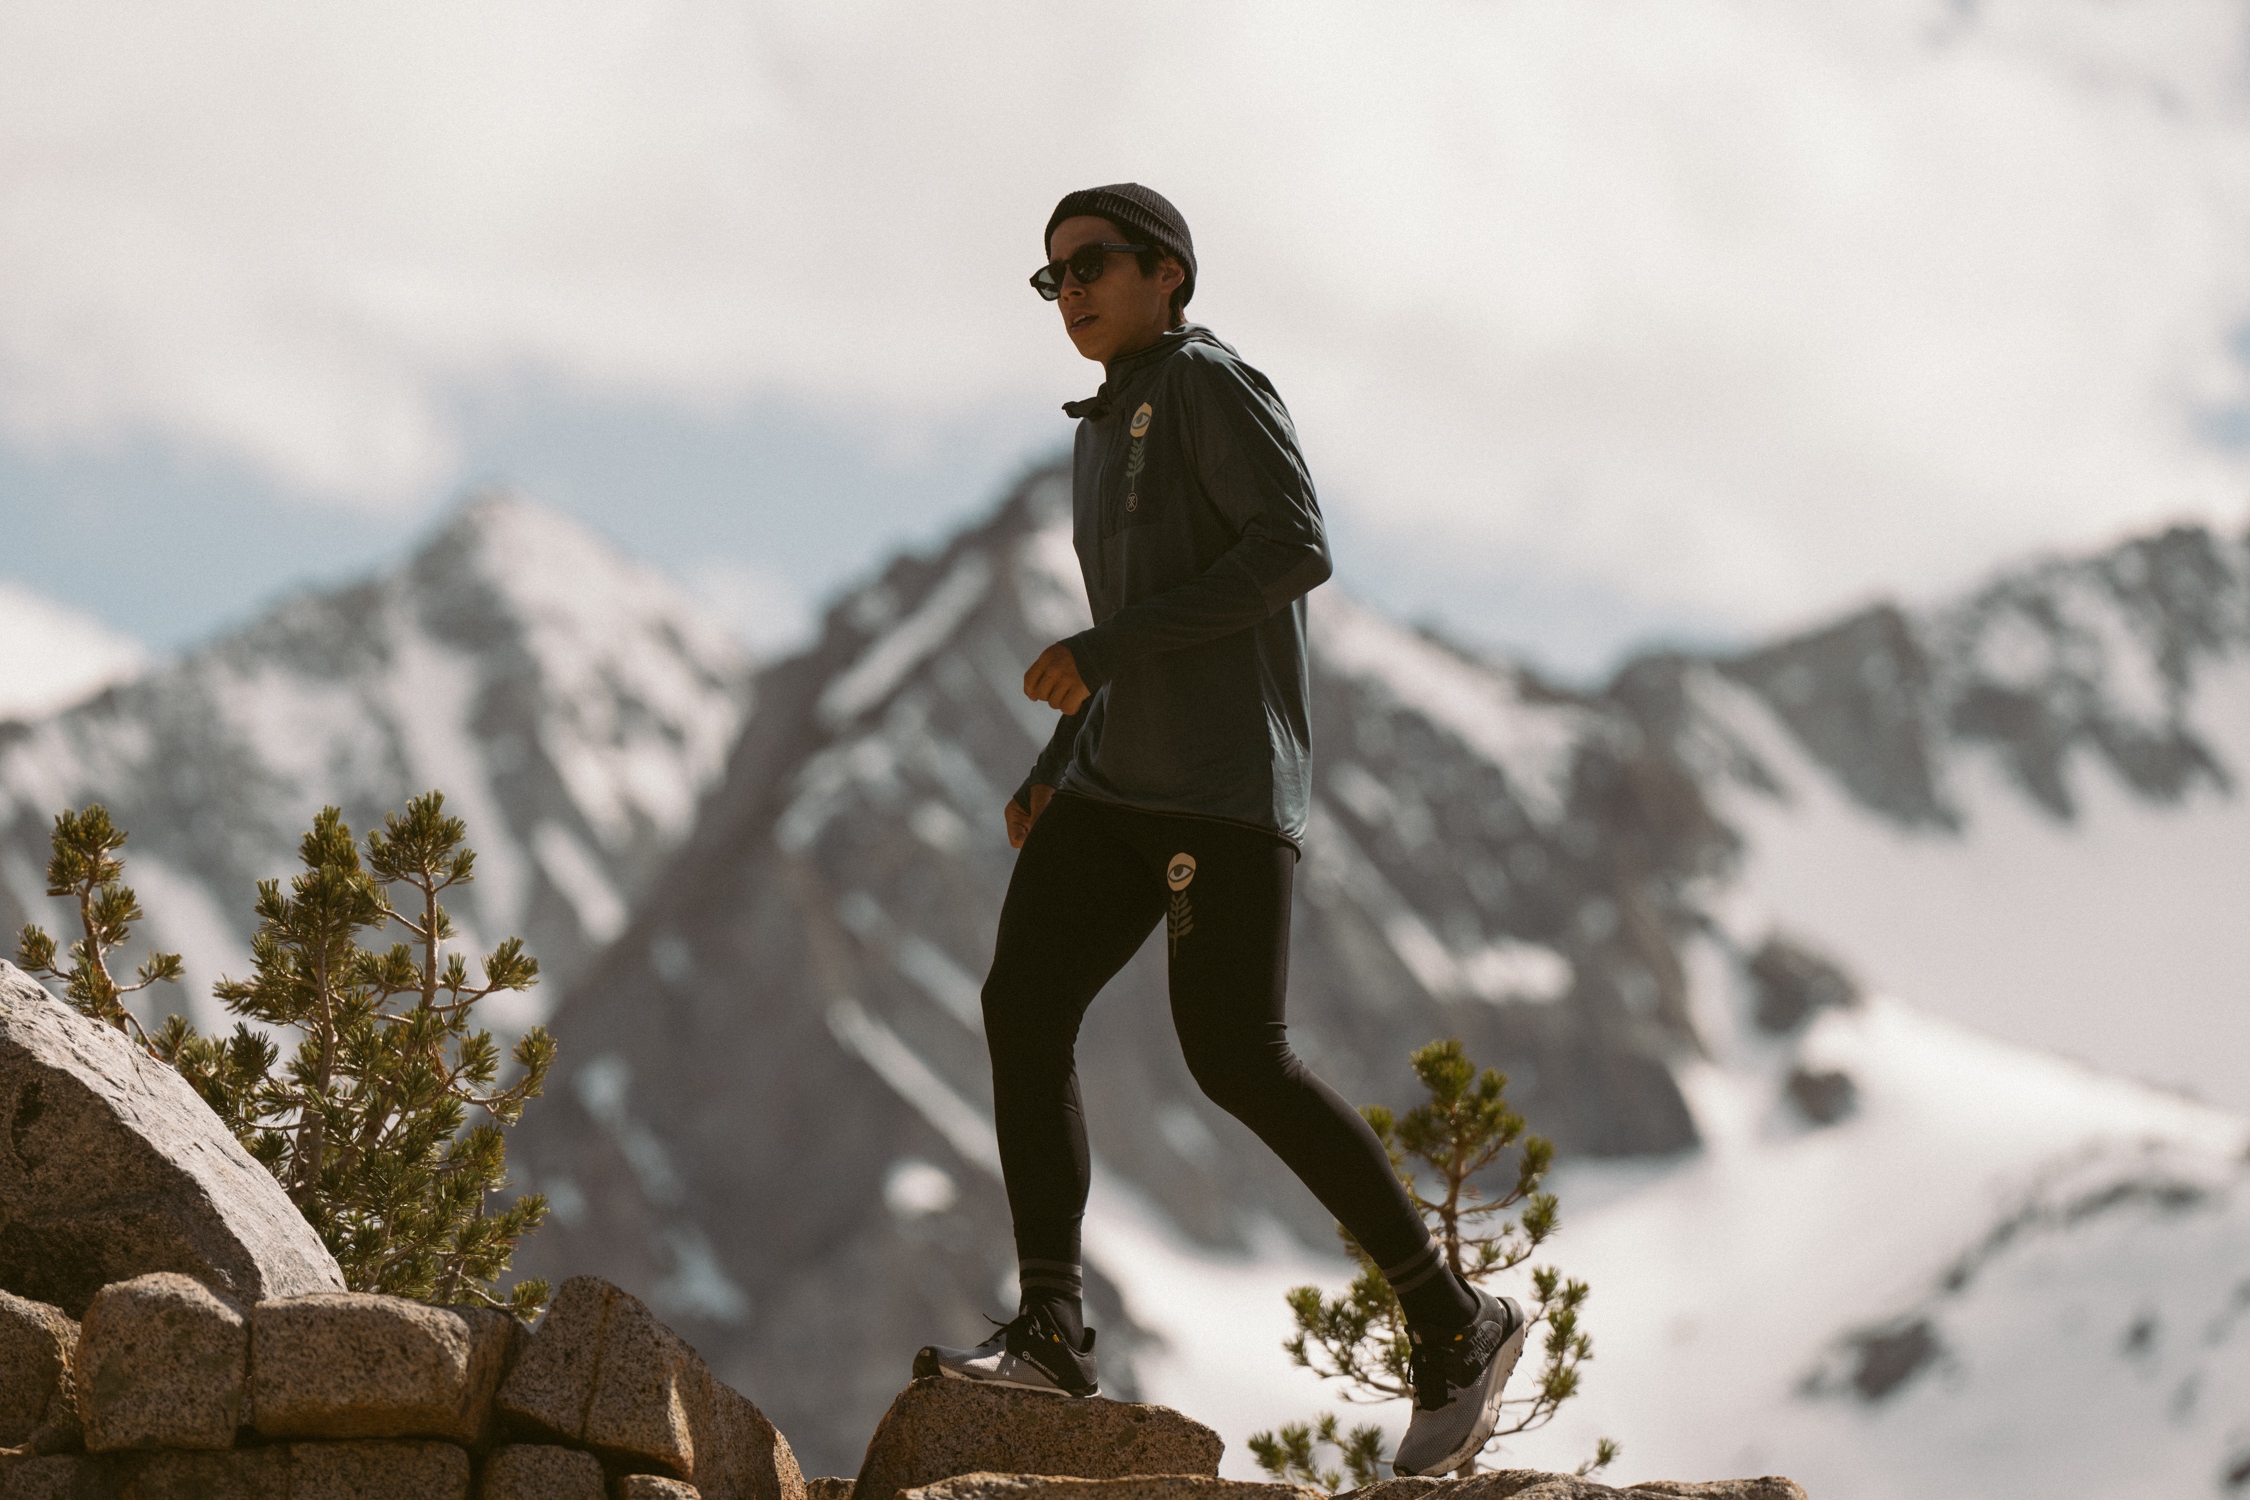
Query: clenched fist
point(1054, 680)
point(1019, 821)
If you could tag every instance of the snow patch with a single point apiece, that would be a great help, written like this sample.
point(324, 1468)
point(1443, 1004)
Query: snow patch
point(908, 643)
point(1532, 744)
point(578, 875)
point(1509, 970)
point(2117, 937)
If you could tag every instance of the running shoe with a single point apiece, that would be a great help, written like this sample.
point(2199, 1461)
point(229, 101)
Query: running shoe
point(1457, 1385)
point(1030, 1353)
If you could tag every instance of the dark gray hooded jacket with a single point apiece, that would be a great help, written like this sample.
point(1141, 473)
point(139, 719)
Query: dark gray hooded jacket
point(1199, 536)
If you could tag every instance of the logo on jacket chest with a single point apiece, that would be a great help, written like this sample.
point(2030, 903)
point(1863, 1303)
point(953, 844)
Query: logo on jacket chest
point(1136, 457)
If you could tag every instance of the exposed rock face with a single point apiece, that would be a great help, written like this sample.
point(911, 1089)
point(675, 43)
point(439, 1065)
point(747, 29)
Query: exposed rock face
point(1823, 1095)
point(1771, 1487)
point(1538, 1484)
point(356, 1365)
point(1136, 1487)
point(603, 1373)
point(37, 1395)
point(378, 1471)
point(654, 1487)
point(161, 1363)
point(540, 1471)
point(243, 1474)
point(1792, 982)
point(939, 1429)
point(295, 1471)
point(113, 1168)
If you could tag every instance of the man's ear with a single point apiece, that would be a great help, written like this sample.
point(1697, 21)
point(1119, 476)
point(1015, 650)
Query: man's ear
point(1170, 274)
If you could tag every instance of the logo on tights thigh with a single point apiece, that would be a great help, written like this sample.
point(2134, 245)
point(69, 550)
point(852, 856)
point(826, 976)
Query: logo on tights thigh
point(1178, 872)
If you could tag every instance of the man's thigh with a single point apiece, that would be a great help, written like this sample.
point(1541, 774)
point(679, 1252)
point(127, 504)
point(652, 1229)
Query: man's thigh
point(1079, 905)
point(1227, 923)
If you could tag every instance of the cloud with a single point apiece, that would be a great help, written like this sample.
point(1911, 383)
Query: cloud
point(1738, 304)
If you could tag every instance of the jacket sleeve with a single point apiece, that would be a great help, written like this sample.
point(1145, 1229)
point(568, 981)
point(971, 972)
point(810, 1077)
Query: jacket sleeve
point(1243, 450)
point(1048, 769)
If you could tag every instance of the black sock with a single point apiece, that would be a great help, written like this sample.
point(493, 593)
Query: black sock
point(1059, 1286)
point(1434, 1299)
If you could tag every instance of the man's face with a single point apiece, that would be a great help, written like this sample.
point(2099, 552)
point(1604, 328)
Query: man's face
point(1123, 311)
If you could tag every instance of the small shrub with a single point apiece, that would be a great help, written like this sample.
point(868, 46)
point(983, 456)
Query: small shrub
point(368, 1126)
point(1462, 1130)
point(83, 866)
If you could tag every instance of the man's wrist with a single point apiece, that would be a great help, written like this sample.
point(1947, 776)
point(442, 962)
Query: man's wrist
point(1087, 655)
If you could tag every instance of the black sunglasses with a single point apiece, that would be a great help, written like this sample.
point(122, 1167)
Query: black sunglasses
point(1085, 263)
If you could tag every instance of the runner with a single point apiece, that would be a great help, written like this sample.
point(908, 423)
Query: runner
point(1174, 792)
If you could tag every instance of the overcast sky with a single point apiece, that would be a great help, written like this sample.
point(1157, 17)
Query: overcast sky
point(1602, 320)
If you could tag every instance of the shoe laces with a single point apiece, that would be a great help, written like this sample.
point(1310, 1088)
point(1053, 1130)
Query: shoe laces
point(1028, 1330)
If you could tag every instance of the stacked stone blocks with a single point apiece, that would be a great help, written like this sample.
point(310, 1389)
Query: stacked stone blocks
point(168, 1391)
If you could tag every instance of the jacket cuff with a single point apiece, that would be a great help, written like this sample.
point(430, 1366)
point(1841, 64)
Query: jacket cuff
point(1094, 665)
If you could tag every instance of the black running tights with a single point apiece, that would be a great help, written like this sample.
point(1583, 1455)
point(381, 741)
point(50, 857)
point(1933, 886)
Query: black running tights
point(1092, 881)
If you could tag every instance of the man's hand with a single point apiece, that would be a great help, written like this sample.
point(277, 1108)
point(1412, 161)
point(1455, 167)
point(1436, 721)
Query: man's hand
point(1019, 821)
point(1054, 680)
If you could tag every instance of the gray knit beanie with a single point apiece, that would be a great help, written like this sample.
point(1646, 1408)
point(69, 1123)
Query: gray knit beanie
point(1138, 210)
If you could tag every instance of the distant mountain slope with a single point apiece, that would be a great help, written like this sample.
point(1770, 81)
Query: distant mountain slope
point(52, 656)
point(1990, 1273)
point(792, 1022)
point(2029, 811)
point(572, 706)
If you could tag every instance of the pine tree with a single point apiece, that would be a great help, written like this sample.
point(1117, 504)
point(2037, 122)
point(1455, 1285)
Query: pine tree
point(83, 866)
point(1461, 1131)
point(368, 1126)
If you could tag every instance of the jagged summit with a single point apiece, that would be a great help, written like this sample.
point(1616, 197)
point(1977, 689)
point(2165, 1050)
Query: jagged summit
point(572, 704)
point(2094, 661)
point(2028, 809)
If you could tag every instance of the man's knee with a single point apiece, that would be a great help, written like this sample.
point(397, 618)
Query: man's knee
point(1239, 1071)
point(1025, 1024)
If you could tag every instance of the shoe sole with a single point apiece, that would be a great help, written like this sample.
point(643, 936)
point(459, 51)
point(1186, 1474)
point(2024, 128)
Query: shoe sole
point(926, 1364)
point(1504, 1362)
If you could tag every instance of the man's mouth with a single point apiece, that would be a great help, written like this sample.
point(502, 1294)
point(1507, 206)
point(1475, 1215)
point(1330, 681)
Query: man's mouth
point(1081, 321)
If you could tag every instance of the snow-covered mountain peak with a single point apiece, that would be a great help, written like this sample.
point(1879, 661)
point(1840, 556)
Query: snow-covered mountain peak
point(1530, 734)
point(573, 705)
point(52, 656)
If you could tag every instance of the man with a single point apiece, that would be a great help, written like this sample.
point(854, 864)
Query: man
point(1174, 791)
